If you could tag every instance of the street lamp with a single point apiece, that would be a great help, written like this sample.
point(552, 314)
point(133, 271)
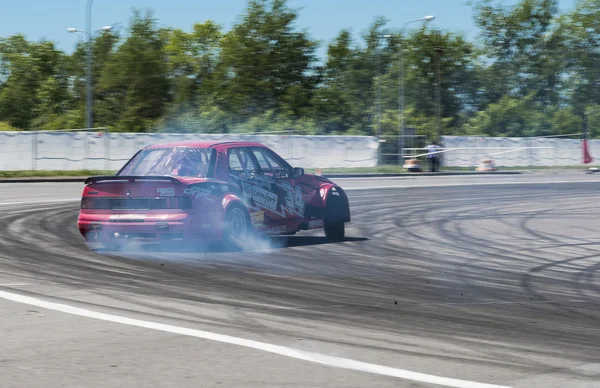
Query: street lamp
point(89, 70)
point(427, 18)
point(379, 114)
point(386, 36)
point(89, 59)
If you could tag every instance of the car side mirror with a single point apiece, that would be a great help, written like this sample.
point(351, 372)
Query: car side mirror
point(298, 172)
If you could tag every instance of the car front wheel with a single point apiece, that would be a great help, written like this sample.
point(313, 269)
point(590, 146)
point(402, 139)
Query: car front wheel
point(335, 230)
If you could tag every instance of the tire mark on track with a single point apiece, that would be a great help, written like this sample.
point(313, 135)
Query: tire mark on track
point(353, 283)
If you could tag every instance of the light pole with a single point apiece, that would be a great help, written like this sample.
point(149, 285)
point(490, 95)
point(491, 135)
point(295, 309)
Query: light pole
point(401, 81)
point(379, 118)
point(387, 36)
point(88, 76)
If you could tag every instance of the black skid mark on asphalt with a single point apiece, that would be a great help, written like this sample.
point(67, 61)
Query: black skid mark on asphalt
point(348, 298)
point(468, 244)
point(515, 255)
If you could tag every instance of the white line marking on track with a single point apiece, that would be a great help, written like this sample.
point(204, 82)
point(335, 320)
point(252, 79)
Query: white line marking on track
point(39, 201)
point(318, 358)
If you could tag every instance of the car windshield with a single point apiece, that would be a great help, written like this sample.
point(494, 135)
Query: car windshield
point(173, 161)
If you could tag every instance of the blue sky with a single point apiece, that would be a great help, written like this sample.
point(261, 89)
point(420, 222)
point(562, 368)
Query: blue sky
point(49, 19)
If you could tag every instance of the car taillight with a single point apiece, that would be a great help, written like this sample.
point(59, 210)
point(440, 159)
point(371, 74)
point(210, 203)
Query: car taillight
point(94, 203)
point(87, 203)
point(179, 203)
point(136, 203)
point(171, 203)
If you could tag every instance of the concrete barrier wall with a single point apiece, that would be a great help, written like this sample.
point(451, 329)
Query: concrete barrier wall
point(551, 152)
point(109, 151)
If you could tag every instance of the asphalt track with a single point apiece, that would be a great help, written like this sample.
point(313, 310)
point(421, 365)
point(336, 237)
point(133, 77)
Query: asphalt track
point(474, 282)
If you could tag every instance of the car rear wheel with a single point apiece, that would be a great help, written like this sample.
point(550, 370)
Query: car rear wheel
point(237, 226)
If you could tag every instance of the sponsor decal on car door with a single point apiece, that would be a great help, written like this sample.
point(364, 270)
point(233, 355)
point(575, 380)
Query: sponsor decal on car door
point(273, 168)
point(258, 191)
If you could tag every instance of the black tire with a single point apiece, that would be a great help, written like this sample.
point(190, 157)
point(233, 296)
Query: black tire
point(237, 227)
point(335, 227)
point(335, 230)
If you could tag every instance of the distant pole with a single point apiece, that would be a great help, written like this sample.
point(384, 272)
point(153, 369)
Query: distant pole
point(401, 82)
point(438, 92)
point(379, 156)
point(89, 65)
point(88, 73)
point(378, 90)
point(379, 113)
point(586, 123)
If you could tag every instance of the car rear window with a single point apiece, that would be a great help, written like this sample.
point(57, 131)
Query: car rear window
point(174, 161)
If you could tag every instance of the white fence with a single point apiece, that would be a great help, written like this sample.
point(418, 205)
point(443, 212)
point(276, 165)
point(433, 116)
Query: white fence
point(109, 151)
point(538, 152)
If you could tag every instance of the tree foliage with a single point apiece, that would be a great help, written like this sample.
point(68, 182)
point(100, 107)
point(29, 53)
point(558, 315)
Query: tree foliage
point(532, 72)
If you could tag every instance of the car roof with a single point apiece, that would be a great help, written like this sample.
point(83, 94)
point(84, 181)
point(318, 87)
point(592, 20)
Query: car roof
point(206, 144)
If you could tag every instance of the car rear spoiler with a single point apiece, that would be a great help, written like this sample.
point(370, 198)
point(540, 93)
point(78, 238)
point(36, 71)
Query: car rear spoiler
point(129, 178)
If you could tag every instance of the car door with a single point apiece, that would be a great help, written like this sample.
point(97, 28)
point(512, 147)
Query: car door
point(279, 173)
point(258, 192)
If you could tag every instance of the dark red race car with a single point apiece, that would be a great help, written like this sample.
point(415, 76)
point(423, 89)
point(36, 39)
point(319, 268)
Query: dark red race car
point(209, 192)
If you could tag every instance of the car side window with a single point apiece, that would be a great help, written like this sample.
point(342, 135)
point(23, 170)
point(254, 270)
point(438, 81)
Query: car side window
point(270, 165)
point(241, 164)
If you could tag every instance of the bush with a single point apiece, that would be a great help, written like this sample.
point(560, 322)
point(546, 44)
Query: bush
point(4, 126)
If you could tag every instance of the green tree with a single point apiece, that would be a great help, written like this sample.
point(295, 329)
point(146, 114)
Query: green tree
point(34, 82)
point(133, 86)
point(348, 97)
point(444, 65)
point(509, 116)
point(533, 72)
point(592, 116)
point(5, 127)
point(192, 59)
point(579, 31)
point(104, 45)
point(51, 98)
point(517, 117)
point(520, 45)
point(265, 64)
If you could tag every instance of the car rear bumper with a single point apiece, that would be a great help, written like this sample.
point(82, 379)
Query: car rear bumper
point(159, 227)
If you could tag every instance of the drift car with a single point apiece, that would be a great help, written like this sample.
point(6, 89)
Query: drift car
point(210, 192)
